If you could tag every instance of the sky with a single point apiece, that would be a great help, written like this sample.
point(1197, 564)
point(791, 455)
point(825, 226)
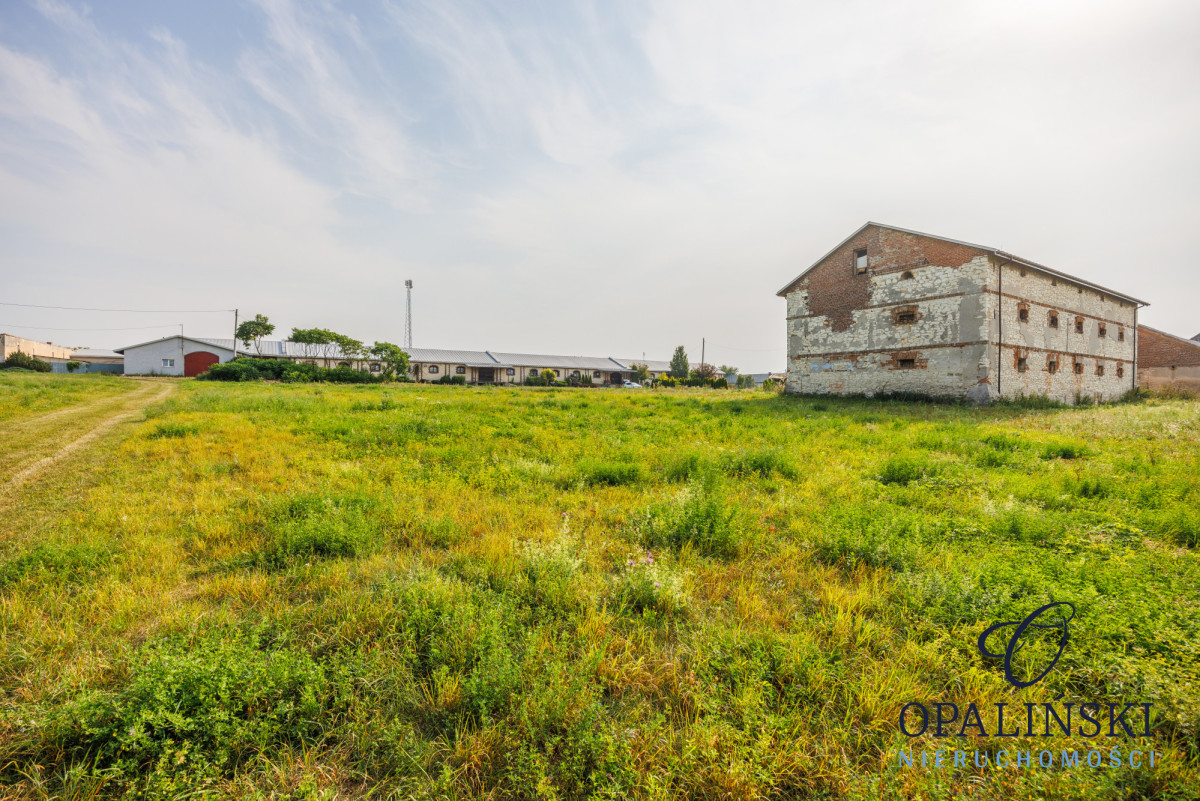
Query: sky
point(603, 178)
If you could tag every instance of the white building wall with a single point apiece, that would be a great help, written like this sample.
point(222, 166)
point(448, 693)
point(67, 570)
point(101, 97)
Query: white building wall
point(147, 359)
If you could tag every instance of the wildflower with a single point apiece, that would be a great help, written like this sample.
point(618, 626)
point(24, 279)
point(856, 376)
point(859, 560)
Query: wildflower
point(656, 584)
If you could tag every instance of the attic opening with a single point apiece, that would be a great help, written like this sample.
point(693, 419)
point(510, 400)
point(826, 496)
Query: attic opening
point(907, 364)
point(860, 260)
point(906, 318)
point(906, 275)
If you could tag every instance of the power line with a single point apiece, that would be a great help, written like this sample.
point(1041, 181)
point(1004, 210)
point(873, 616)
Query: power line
point(125, 311)
point(751, 350)
point(49, 328)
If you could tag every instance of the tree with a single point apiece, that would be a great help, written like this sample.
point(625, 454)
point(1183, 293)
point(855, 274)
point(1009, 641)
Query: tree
point(641, 373)
point(352, 350)
point(705, 371)
point(316, 341)
point(395, 360)
point(731, 373)
point(745, 382)
point(549, 377)
point(255, 331)
point(679, 363)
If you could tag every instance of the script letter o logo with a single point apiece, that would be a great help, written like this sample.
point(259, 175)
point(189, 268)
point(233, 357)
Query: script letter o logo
point(1015, 642)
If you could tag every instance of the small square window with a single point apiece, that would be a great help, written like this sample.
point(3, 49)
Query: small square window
point(168, 363)
point(1052, 366)
point(906, 318)
point(1099, 369)
point(860, 260)
point(907, 364)
point(1103, 330)
point(1078, 368)
point(1078, 325)
point(433, 368)
point(1023, 314)
point(1054, 319)
point(1120, 372)
point(1022, 365)
point(460, 370)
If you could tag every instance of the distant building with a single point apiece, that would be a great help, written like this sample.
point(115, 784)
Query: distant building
point(46, 351)
point(892, 310)
point(190, 356)
point(1165, 360)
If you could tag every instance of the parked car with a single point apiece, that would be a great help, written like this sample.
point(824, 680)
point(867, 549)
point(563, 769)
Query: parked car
point(632, 385)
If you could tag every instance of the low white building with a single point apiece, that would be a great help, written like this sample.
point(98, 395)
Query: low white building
point(178, 355)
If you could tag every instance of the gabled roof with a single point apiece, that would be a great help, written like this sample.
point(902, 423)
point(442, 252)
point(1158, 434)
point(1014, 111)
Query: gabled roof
point(1193, 342)
point(993, 251)
point(467, 358)
point(226, 344)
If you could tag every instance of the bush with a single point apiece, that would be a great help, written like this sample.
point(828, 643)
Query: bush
point(594, 472)
point(236, 370)
point(26, 362)
point(699, 517)
point(196, 709)
point(903, 470)
point(762, 463)
point(719, 383)
point(72, 366)
point(668, 381)
point(460, 380)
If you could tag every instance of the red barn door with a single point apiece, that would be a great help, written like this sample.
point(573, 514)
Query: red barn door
point(198, 362)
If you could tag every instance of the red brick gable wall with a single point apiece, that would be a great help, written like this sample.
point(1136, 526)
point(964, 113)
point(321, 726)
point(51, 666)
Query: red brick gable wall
point(1156, 350)
point(835, 290)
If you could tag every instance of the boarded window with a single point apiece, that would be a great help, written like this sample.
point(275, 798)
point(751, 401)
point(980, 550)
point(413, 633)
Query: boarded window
point(1120, 334)
point(1103, 330)
point(1099, 369)
point(907, 364)
point(1054, 319)
point(1022, 365)
point(860, 260)
point(1052, 366)
point(906, 318)
point(1078, 325)
point(1078, 368)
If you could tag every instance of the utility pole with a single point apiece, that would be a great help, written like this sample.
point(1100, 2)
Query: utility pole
point(235, 316)
point(408, 287)
point(702, 343)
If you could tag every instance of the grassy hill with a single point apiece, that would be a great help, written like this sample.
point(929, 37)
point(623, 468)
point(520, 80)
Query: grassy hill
point(440, 592)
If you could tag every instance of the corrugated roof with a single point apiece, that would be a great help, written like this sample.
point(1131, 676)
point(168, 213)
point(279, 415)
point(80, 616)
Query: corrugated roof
point(994, 251)
point(467, 358)
point(563, 362)
point(656, 366)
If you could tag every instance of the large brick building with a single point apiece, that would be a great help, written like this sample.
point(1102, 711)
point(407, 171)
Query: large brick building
point(1165, 360)
point(892, 310)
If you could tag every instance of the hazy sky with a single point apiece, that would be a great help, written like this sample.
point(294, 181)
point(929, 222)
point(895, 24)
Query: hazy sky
point(606, 178)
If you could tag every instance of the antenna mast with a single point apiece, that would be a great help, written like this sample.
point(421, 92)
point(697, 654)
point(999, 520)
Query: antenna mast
point(408, 315)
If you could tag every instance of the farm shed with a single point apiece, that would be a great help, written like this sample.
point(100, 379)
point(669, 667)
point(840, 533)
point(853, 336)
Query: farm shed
point(1165, 360)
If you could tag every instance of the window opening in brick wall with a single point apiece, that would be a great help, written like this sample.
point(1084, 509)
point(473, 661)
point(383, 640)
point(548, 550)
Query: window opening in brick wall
point(1054, 319)
point(1078, 368)
point(1052, 366)
point(1103, 330)
point(860, 260)
point(1099, 369)
point(906, 318)
point(1023, 315)
point(1022, 365)
point(906, 275)
point(907, 364)
point(1121, 372)
point(1120, 334)
point(1078, 325)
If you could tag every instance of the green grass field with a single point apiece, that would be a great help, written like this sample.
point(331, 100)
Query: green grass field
point(270, 591)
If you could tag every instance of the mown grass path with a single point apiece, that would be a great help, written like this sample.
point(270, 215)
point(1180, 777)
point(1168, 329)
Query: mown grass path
point(36, 442)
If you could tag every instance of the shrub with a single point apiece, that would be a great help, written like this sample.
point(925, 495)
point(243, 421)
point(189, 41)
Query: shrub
point(1064, 449)
point(644, 584)
point(762, 463)
point(668, 381)
point(699, 517)
point(720, 383)
point(460, 380)
point(236, 370)
point(55, 562)
point(594, 472)
point(903, 470)
point(73, 366)
point(166, 430)
point(26, 362)
point(196, 709)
